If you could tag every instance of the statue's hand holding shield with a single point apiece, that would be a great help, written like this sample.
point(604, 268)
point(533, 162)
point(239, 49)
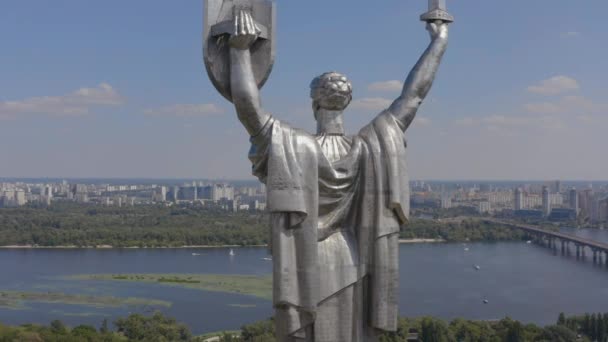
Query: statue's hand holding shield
point(238, 24)
point(246, 31)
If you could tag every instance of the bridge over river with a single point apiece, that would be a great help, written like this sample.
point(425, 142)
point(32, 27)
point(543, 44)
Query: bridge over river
point(550, 238)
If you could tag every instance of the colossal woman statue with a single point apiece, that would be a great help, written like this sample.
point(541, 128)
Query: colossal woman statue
point(336, 201)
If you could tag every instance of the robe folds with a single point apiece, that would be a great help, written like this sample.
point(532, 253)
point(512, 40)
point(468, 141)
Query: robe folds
point(335, 222)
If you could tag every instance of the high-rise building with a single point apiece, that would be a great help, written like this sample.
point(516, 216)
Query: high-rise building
point(20, 197)
point(160, 194)
point(446, 201)
point(546, 201)
point(188, 193)
point(585, 200)
point(484, 207)
point(174, 195)
point(48, 191)
point(603, 210)
point(518, 199)
point(557, 187)
point(573, 199)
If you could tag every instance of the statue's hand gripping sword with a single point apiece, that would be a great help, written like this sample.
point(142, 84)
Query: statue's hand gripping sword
point(437, 11)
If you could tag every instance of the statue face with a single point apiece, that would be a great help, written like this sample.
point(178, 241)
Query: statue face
point(331, 91)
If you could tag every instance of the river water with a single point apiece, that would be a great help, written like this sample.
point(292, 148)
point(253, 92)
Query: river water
point(523, 281)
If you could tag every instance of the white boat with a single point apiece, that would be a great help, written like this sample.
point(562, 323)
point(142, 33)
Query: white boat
point(466, 249)
point(529, 241)
point(267, 259)
point(476, 267)
point(485, 301)
point(231, 252)
point(195, 254)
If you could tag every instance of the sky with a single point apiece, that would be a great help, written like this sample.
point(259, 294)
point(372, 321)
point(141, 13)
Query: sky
point(118, 89)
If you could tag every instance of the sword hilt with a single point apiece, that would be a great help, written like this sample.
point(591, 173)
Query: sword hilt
point(437, 14)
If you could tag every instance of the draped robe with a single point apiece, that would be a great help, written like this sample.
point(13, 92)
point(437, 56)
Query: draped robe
point(336, 207)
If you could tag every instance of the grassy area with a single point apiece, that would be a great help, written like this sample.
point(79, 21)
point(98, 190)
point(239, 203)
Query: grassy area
point(16, 299)
point(250, 285)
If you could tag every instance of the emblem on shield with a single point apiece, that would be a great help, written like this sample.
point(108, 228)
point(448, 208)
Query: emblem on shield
point(219, 25)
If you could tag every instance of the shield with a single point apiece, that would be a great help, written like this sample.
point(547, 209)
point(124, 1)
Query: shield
point(218, 26)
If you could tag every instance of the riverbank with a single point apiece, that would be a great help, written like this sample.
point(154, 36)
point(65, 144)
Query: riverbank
point(114, 247)
point(407, 241)
point(401, 241)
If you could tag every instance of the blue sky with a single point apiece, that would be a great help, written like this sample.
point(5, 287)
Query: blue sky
point(118, 89)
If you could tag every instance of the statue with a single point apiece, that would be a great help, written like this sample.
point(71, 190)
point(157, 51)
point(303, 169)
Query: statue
point(336, 201)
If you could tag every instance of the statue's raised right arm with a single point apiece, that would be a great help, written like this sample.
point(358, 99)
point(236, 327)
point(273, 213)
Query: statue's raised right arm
point(420, 79)
point(245, 92)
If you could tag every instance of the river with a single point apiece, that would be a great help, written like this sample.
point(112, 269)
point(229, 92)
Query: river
point(523, 281)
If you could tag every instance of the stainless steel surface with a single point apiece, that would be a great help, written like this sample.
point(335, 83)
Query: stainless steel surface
point(336, 201)
point(437, 11)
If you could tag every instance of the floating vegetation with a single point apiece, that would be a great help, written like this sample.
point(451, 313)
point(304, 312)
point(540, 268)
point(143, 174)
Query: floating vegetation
point(250, 285)
point(15, 299)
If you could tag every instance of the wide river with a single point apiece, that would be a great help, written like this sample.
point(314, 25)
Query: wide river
point(520, 280)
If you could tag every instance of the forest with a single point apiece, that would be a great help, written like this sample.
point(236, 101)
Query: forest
point(81, 225)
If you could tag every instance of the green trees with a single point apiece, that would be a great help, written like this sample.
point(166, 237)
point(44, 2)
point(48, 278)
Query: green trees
point(137, 327)
point(466, 230)
point(133, 328)
point(159, 328)
point(151, 226)
point(159, 226)
point(433, 330)
point(258, 332)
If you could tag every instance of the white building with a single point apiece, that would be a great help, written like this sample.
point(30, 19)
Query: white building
point(484, 207)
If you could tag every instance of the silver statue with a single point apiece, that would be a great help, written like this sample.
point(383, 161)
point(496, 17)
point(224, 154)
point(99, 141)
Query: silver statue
point(336, 201)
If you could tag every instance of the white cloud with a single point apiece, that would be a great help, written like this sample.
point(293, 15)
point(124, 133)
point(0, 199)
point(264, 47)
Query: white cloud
point(543, 108)
point(503, 122)
point(185, 110)
point(78, 102)
point(422, 121)
point(570, 34)
point(376, 104)
point(386, 86)
point(467, 121)
point(573, 104)
point(555, 85)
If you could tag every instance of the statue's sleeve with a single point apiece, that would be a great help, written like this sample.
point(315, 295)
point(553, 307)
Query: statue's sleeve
point(387, 146)
point(259, 151)
point(285, 159)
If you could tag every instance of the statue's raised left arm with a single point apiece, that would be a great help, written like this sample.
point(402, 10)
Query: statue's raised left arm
point(420, 79)
point(245, 92)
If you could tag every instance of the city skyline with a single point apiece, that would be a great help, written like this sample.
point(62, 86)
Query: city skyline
point(92, 92)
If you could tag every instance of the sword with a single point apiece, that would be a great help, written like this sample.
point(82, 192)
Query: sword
point(437, 11)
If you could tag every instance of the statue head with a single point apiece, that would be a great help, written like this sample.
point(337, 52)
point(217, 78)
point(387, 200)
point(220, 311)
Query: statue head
point(331, 91)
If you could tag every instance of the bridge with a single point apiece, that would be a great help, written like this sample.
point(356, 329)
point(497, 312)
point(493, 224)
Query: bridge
point(549, 239)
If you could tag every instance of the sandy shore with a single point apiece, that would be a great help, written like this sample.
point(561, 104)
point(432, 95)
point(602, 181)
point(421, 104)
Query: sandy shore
point(421, 240)
point(109, 247)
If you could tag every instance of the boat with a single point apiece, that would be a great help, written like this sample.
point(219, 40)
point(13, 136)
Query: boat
point(466, 249)
point(196, 254)
point(267, 259)
point(485, 301)
point(231, 252)
point(476, 267)
point(529, 241)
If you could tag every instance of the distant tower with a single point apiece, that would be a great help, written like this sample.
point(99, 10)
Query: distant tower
point(573, 199)
point(546, 201)
point(175, 193)
point(557, 187)
point(519, 199)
